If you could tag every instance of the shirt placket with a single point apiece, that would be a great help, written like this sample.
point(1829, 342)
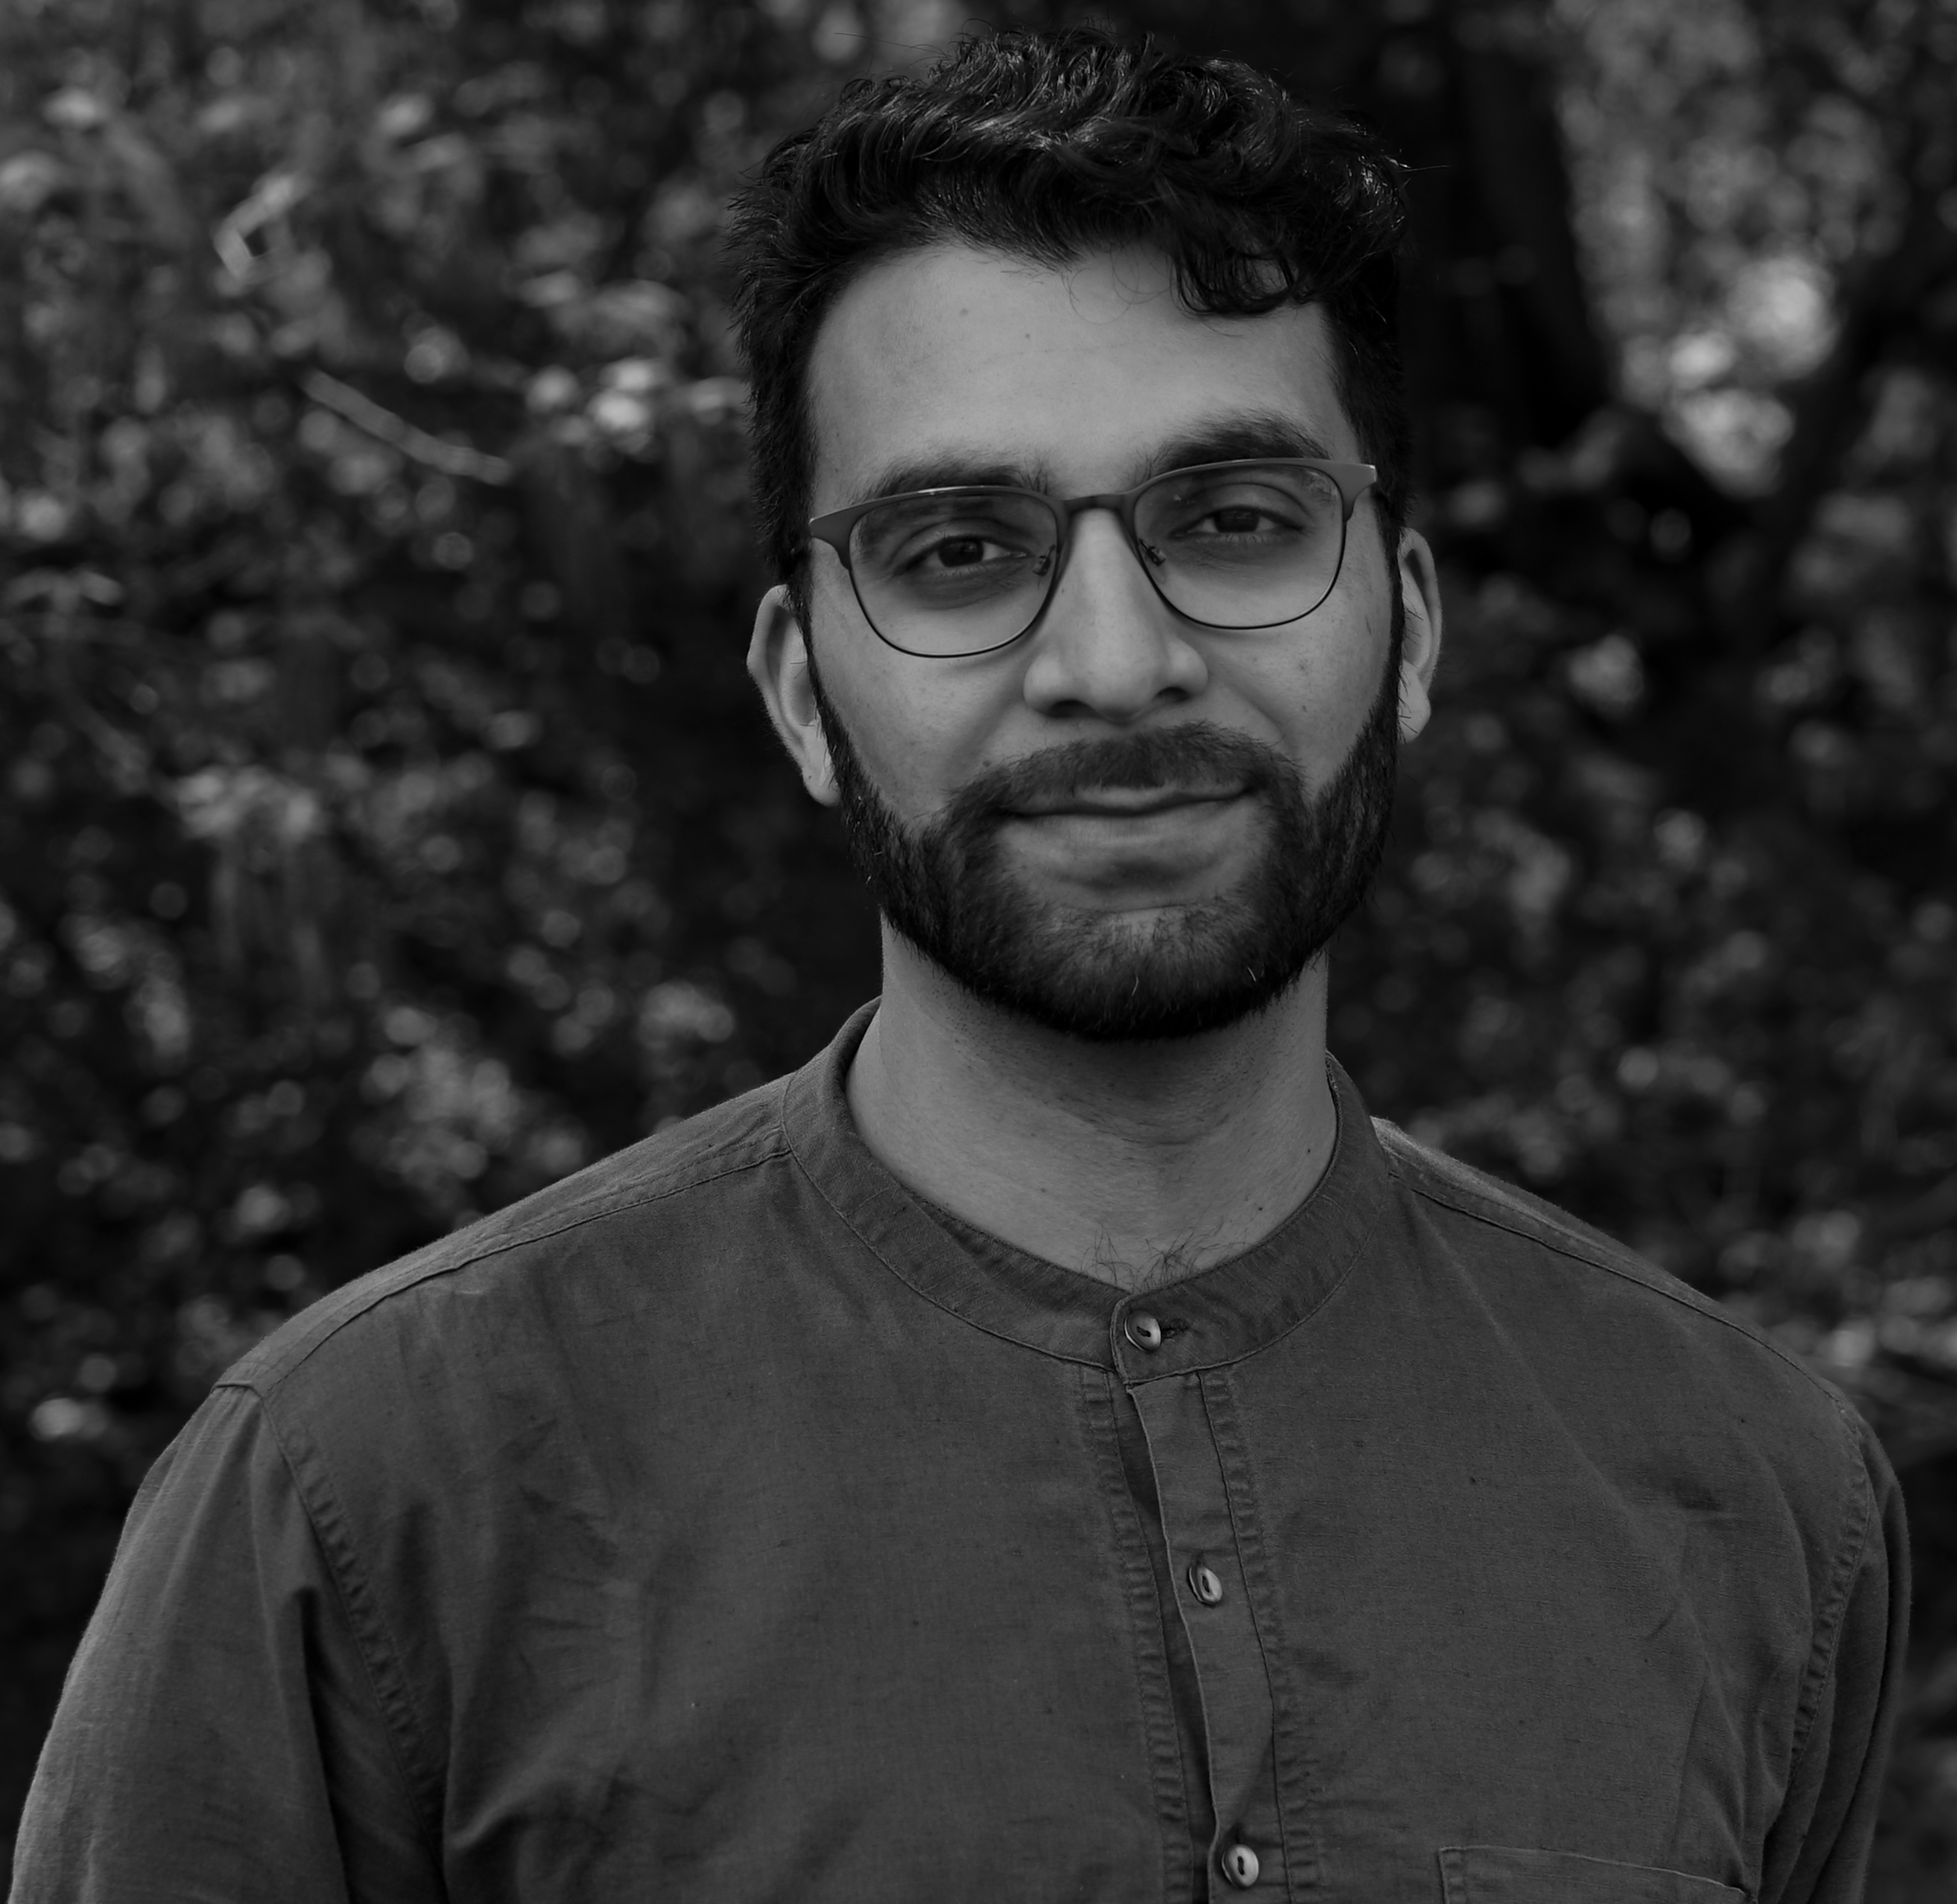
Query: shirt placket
point(1206, 1565)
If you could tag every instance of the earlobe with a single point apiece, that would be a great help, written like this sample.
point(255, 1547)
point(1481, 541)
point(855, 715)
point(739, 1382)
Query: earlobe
point(1420, 651)
point(1415, 706)
point(780, 665)
point(818, 773)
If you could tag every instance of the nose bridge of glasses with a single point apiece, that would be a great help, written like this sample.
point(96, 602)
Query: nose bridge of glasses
point(1117, 500)
point(1069, 509)
point(1120, 504)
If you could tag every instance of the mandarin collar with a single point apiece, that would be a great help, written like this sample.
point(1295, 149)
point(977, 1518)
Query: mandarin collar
point(1216, 1316)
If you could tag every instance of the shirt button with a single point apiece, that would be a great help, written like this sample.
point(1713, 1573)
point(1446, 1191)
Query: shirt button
point(1241, 1866)
point(1206, 1583)
point(1143, 1330)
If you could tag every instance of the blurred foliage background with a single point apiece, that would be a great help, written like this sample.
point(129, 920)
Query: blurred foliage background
point(386, 829)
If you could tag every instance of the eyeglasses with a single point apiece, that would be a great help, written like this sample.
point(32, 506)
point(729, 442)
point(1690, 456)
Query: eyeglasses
point(948, 572)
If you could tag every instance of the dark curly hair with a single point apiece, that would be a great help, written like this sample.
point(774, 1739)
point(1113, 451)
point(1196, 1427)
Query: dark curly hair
point(1047, 145)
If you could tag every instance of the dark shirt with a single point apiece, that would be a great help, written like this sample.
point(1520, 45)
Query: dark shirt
point(724, 1523)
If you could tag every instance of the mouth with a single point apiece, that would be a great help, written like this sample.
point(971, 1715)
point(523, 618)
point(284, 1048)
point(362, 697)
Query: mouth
point(1122, 803)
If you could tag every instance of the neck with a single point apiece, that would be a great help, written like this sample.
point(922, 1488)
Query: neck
point(1135, 1163)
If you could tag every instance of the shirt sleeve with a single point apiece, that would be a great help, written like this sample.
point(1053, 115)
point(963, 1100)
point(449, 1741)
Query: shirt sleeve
point(1818, 1851)
point(219, 1736)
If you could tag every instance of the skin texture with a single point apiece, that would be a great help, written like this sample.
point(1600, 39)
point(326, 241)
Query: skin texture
point(1135, 1162)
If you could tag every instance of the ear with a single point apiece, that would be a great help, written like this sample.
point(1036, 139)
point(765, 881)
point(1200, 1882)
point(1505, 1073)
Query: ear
point(1420, 651)
point(778, 660)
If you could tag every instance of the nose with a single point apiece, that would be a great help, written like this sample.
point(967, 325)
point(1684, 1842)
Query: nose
point(1108, 645)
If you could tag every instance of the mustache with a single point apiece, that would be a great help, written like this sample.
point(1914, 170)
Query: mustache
point(1193, 754)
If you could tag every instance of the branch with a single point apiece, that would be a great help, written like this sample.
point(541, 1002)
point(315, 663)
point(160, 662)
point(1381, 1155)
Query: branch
point(451, 459)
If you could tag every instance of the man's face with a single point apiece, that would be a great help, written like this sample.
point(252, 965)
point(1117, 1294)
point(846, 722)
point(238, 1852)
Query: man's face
point(1124, 825)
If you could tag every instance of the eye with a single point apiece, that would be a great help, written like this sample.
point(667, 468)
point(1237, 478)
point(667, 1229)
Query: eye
point(949, 553)
point(1240, 520)
point(1242, 509)
point(945, 543)
point(960, 551)
point(1234, 521)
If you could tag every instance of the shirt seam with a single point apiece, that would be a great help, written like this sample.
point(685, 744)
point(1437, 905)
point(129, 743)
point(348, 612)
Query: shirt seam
point(1157, 1705)
point(256, 1382)
point(1608, 1864)
point(421, 1781)
point(1223, 1364)
point(925, 1296)
point(1240, 1500)
point(1548, 1240)
point(1830, 1620)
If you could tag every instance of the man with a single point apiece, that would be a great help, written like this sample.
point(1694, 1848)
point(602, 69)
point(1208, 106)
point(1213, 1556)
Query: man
point(1055, 1446)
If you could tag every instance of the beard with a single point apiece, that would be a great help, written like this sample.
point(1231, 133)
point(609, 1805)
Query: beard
point(945, 885)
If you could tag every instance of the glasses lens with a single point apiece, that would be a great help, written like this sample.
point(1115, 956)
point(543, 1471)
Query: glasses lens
point(953, 571)
point(1244, 546)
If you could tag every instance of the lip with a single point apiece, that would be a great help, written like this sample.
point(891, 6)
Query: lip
point(1125, 803)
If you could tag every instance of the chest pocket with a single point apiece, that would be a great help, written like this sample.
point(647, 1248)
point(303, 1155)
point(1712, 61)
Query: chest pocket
point(1508, 1874)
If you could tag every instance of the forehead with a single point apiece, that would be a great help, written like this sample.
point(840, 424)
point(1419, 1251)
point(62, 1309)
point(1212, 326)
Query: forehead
point(1074, 374)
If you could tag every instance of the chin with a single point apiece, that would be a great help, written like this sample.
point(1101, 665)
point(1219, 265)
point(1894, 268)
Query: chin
point(1184, 972)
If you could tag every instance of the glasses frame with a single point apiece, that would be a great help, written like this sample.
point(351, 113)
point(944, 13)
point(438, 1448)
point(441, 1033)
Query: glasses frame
point(1352, 480)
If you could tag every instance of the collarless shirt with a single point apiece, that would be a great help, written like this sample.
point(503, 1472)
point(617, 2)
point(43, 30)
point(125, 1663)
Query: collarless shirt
point(724, 1523)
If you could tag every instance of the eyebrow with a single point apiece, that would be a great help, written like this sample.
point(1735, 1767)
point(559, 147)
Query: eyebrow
point(947, 470)
point(1243, 435)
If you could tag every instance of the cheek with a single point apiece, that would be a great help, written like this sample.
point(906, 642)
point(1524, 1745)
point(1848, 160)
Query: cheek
point(1359, 640)
point(919, 731)
point(1321, 691)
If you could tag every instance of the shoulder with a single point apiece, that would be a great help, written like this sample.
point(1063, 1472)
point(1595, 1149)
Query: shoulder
point(1467, 1199)
point(620, 1205)
point(1556, 1275)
